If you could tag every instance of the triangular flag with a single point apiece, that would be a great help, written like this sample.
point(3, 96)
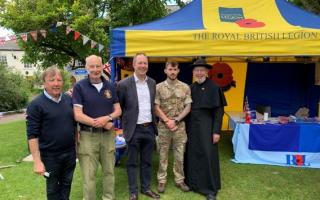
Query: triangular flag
point(100, 47)
point(12, 37)
point(59, 24)
point(24, 36)
point(76, 35)
point(2, 40)
point(68, 30)
point(85, 40)
point(43, 33)
point(93, 44)
point(53, 28)
point(34, 35)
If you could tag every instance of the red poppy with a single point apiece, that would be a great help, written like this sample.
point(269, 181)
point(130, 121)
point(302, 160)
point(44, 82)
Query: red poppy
point(221, 73)
point(249, 23)
point(299, 160)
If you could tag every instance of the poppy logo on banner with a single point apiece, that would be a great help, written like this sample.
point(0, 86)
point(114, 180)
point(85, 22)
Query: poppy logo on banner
point(297, 160)
point(235, 15)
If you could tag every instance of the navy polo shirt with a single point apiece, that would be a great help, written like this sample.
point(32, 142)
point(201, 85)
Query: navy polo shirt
point(95, 104)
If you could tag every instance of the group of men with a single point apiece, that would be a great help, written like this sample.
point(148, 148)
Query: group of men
point(54, 140)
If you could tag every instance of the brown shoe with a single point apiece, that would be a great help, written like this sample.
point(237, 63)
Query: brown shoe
point(161, 187)
point(182, 186)
point(151, 194)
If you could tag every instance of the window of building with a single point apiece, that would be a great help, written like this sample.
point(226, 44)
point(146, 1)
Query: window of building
point(27, 65)
point(3, 60)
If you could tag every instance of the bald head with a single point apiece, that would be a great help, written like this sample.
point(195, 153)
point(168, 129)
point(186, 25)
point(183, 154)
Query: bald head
point(93, 58)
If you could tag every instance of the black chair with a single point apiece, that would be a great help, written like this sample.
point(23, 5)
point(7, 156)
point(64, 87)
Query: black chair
point(263, 109)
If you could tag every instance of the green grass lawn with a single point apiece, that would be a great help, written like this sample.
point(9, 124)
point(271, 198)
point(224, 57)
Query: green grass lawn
point(239, 181)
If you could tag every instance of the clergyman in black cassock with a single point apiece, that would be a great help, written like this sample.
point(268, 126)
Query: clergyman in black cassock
point(204, 124)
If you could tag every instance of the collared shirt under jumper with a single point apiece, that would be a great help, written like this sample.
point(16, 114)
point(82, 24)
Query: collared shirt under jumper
point(143, 93)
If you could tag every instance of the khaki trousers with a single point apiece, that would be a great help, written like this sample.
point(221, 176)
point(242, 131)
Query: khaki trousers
point(92, 149)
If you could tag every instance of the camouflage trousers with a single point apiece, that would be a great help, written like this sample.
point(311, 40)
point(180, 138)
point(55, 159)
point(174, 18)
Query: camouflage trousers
point(178, 139)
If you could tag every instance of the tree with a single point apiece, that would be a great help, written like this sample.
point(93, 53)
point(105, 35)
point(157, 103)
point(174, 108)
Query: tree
point(310, 5)
point(92, 18)
point(13, 89)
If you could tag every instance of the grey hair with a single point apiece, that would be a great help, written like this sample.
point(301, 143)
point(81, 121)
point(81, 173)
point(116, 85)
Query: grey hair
point(50, 71)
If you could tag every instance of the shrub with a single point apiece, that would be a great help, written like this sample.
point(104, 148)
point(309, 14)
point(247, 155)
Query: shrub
point(14, 91)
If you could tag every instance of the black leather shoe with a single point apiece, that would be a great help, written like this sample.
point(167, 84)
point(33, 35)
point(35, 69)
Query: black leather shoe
point(133, 197)
point(211, 197)
point(151, 194)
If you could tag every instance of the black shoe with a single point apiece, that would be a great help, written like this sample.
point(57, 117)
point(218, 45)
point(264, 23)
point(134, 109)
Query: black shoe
point(151, 194)
point(211, 197)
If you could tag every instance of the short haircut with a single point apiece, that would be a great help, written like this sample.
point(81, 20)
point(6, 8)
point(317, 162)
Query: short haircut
point(138, 54)
point(93, 56)
point(50, 71)
point(172, 63)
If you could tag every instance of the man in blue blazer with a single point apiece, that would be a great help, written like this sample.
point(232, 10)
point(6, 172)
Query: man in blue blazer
point(137, 96)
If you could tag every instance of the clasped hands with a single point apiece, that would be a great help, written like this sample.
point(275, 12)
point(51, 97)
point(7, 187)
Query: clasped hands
point(102, 122)
point(171, 125)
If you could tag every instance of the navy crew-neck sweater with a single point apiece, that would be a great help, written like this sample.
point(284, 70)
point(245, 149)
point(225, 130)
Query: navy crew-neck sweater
point(52, 123)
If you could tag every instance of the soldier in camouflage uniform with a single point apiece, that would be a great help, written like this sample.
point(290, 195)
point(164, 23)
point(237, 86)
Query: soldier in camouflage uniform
point(172, 104)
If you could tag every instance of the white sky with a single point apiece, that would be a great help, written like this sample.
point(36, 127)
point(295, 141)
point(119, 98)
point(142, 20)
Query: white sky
point(5, 32)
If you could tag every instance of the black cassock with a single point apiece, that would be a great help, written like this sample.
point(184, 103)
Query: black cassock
point(202, 159)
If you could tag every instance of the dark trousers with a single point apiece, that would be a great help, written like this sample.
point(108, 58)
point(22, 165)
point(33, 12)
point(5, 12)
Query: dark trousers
point(142, 143)
point(61, 168)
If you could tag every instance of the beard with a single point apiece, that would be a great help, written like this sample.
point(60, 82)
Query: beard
point(200, 80)
point(172, 78)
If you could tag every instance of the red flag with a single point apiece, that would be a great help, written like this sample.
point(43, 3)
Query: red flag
point(2, 40)
point(43, 33)
point(24, 36)
point(34, 35)
point(76, 35)
point(68, 30)
point(13, 37)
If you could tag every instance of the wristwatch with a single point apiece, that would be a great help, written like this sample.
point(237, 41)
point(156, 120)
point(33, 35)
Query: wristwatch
point(176, 121)
point(110, 118)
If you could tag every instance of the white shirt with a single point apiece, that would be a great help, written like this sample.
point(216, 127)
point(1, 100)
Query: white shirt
point(143, 92)
point(51, 98)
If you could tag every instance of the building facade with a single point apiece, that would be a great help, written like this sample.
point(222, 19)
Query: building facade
point(11, 57)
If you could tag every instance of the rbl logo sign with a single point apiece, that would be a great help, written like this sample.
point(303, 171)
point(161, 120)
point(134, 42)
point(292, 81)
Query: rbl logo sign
point(298, 160)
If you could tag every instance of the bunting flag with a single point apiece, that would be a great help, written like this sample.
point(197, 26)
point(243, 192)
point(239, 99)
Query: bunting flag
point(2, 40)
point(85, 40)
point(34, 35)
point(13, 37)
point(93, 44)
point(53, 28)
point(59, 24)
point(100, 47)
point(43, 33)
point(68, 30)
point(24, 36)
point(76, 35)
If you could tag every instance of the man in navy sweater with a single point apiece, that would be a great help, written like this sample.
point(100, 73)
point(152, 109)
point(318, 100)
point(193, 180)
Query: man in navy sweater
point(51, 135)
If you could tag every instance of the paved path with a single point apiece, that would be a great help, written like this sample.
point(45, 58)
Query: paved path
point(12, 117)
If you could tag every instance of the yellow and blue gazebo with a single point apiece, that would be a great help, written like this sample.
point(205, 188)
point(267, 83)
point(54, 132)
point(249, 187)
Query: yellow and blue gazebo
point(224, 28)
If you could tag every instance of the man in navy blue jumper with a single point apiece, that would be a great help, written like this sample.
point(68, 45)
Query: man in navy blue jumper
point(51, 135)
